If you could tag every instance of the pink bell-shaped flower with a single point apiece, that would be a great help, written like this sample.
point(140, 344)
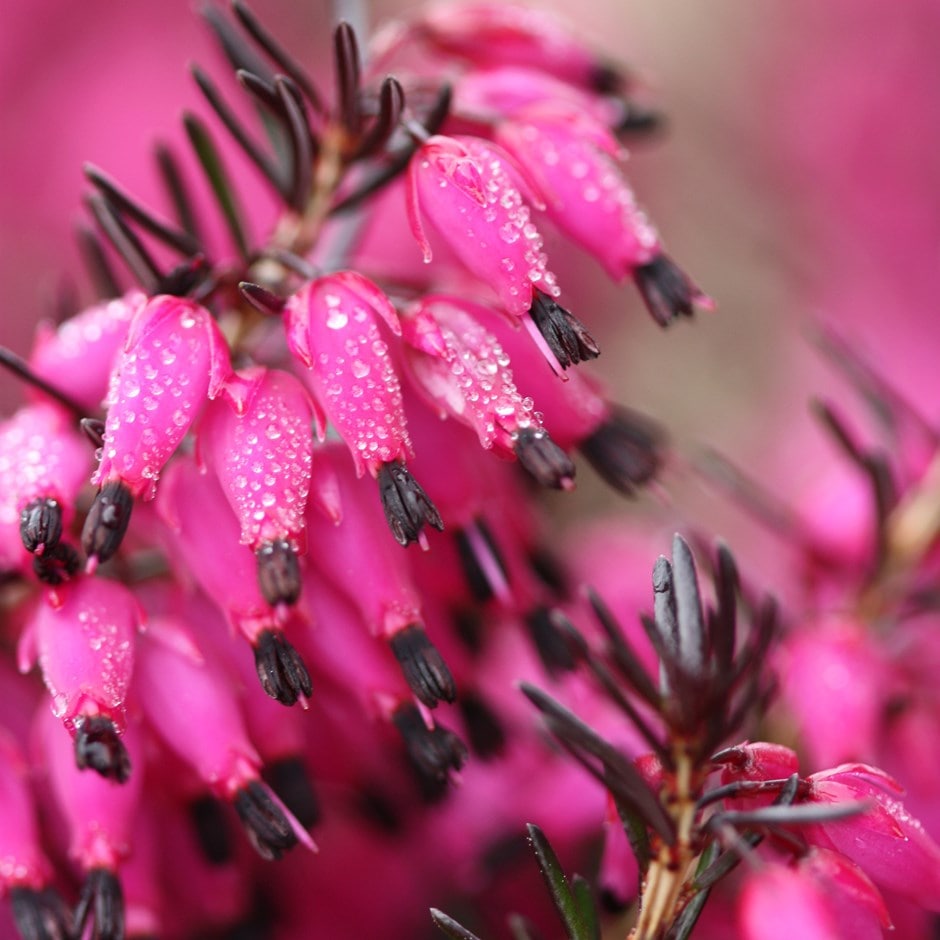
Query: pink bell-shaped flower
point(204, 536)
point(84, 638)
point(886, 841)
point(467, 376)
point(572, 160)
point(465, 187)
point(78, 356)
point(100, 818)
point(192, 706)
point(257, 437)
point(44, 463)
point(332, 329)
point(173, 358)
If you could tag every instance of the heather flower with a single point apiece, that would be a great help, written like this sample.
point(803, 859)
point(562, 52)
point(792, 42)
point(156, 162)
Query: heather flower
point(572, 160)
point(464, 186)
point(83, 637)
point(173, 358)
point(257, 438)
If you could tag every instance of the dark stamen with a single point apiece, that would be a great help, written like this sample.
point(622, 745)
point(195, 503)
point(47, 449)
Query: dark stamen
point(550, 643)
point(20, 368)
point(56, 565)
point(625, 450)
point(547, 463)
point(268, 829)
point(434, 752)
point(278, 573)
point(185, 277)
point(667, 291)
point(98, 746)
point(407, 507)
point(475, 569)
point(638, 121)
point(566, 336)
point(107, 521)
point(124, 202)
point(208, 819)
point(289, 779)
point(607, 79)
point(346, 53)
point(282, 672)
point(101, 899)
point(41, 525)
point(40, 915)
point(261, 299)
point(278, 54)
point(550, 571)
point(423, 666)
point(485, 731)
point(96, 262)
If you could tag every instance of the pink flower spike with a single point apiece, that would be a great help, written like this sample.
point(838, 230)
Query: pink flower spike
point(886, 841)
point(174, 358)
point(257, 437)
point(85, 646)
point(472, 382)
point(193, 708)
point(858, 905)
point(78, 356)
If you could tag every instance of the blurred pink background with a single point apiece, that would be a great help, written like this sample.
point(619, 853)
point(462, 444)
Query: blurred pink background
point(797, 179)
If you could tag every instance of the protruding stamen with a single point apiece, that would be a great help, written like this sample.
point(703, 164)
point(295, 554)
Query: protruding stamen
point(434, 752)
point(667, 291)
point(565, 334)
point(550, 643)
point(268, 829)
point(56, 565)
point(485, 731)
point(282, 672)
point(185, 277)
point(98, 746)
point(407, 507)
point(212, 830)
point(278, 573)
point(107, 521)
point(41, 525)
point(264, 301)
point(101, 900)
point(290, 780)
point(423, 666)
point(93, 429)
point(626, 450)
point(40, 915)
point(481, 561)
point(548, 464)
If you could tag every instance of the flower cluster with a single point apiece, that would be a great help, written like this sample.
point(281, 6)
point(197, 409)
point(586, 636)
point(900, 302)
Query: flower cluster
point(274, 556)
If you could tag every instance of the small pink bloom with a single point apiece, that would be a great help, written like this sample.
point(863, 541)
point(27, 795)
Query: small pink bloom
point(464, 187)
point(332, 329)
point(886, 842)
point(192, 706)
point(487, 34)
point(173, 358)
point(781, 903)
point(78, 356)
point(85, 641)
point(44, 463)
point(469, 378)
point(759, 761)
